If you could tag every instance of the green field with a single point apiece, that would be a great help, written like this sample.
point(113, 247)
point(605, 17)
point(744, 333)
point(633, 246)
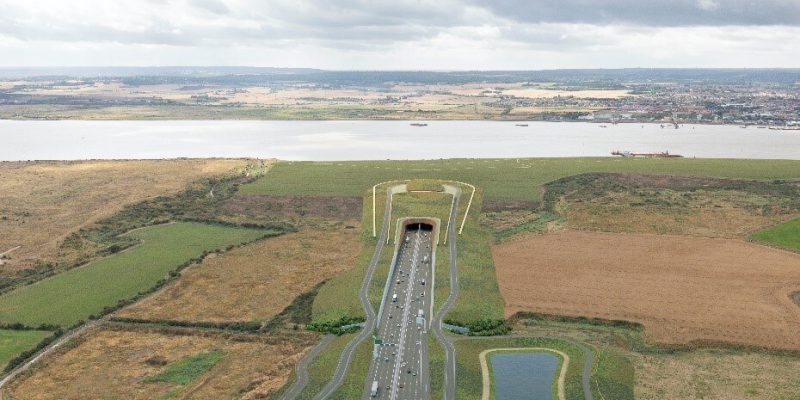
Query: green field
point(522, 179)
point(786, 235)
point(186, 370)
point(14, 342)
point(76, 294)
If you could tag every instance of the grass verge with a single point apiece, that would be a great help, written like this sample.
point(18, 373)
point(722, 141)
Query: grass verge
point(320, 371)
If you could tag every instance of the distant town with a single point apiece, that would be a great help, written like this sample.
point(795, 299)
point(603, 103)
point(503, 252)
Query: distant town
point(761, 98)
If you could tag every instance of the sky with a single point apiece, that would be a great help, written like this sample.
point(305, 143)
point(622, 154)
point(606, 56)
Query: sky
point(401, 34)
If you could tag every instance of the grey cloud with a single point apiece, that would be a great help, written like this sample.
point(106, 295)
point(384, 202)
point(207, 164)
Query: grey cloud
point(212, 6)
point(649, 12)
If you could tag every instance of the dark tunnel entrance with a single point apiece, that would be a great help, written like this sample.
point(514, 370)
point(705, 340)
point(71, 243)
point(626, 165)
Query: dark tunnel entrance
point(419, 226)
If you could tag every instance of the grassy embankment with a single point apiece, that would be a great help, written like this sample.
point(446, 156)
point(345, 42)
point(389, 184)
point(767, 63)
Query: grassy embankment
point(786, 235)
point(82, 292)
point(330, 303)
point(321, 369)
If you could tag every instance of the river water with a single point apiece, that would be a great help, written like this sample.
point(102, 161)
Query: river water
point(372, 140)
point(523, 375)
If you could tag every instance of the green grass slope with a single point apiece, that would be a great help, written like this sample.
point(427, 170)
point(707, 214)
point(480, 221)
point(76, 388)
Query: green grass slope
point(786, 235)
point(76, 294)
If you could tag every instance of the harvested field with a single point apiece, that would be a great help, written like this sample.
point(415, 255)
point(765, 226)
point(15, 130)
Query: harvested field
point(632, 203)
point(115, 364)
point(681, 289)
point(42, 202)
point(253, 282)
point(716, 375)
point(295, 207)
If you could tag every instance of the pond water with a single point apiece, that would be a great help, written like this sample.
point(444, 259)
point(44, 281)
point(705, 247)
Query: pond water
point(523, 375)
point(375, 140)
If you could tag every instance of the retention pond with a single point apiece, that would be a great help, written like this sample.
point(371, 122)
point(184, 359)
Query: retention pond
point(523, 375)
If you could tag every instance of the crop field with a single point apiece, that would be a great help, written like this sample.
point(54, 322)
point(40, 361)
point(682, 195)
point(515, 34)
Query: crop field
point(682, 289)
point(13, 342)
point(142, 364)
point(522, 178)
point(253, 282)
point(78, 293)
point(786, 235)
point(716, 374)
point(633, 203)
point(42, 202)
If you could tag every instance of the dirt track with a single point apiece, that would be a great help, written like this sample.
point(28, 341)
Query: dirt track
point(681, 289)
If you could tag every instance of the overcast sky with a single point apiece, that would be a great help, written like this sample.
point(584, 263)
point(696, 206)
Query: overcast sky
point(402, 34)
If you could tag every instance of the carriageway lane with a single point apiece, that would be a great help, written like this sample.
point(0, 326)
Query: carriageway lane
point(401, 366)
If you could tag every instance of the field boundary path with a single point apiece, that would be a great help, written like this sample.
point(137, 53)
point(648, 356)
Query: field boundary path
point(301, 369)
point(363, 295)
point(449, 391)
point(588, 355)
point(47, 350)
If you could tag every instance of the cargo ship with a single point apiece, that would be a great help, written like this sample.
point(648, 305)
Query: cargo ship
point(626, 153)
point(418, 124)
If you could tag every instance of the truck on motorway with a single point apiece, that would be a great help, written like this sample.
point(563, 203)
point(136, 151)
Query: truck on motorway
point(374, 391)
point(421, 313)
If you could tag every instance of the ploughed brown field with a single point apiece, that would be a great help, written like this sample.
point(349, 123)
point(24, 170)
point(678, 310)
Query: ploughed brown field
point(682, 289)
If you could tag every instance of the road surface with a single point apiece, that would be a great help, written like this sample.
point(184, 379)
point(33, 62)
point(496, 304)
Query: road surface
point(400, 364)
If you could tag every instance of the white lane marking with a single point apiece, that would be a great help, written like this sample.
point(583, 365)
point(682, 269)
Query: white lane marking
point(403, 324)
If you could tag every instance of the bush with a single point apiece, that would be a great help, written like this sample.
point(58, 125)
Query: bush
point(483, 327)
point(337, 327)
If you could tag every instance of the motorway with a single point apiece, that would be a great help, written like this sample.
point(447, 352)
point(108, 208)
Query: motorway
point(400, 363)
point(363, 295)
